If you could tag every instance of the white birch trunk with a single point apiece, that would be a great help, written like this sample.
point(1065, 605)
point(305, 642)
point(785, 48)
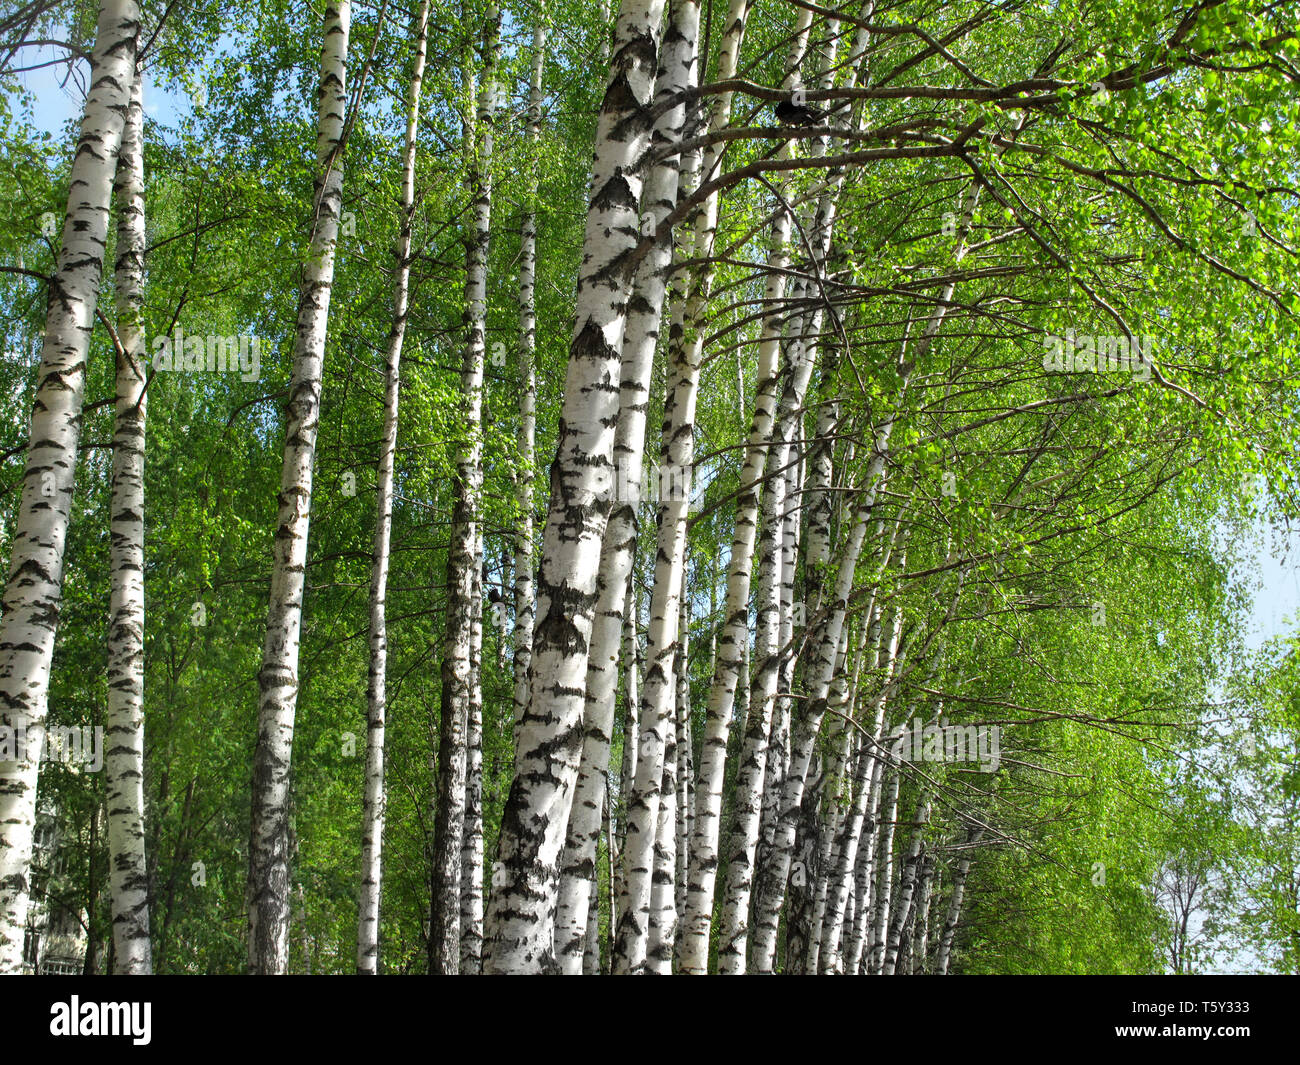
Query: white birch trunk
point(779, 744)
point(685, 762)
point(885, 872)
point(471, 847)
point(124, 734)
point(268, 852)
point(855, 938)
point(520, 925)
point(677, 71)
point(591, 952)
point(662, 916)
point(33, 589)
point(631, 668)
point(943, 957)
point(525, 605)
point(918, 948)
point(906, 888)
point(375, 799)
point(462, 646)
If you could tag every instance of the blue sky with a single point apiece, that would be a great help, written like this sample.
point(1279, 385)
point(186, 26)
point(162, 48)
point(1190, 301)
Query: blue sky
point(56, 102)
point(1275, 585)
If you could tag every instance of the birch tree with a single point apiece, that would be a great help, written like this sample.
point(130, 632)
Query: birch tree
point(826, 636)
point(956, 900)
point(650, 809)
point(677, 73)
point(34, 585)
point(461, 697)
point(526, 439)
point(525, 876)
point(268, 850)
point(375, 800)
point(124, 757)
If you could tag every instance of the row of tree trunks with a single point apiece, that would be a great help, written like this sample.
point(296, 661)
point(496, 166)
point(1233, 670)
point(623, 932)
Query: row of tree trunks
point(676, 72)
point(652, 804)
point(462, 700)
point(747, 796)
point(525, 883)
point(814, 813)
point(732, 651)
point(825, 634)
point(840, 880)
point(33, 588)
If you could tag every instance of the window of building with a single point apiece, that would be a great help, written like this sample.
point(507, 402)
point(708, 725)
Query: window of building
point(31, 946)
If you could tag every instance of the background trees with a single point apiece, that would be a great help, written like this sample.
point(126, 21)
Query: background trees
point(968, 392)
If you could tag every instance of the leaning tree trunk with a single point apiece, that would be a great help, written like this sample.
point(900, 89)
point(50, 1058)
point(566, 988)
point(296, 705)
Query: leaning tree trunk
point(372, 817)
point(884, 873)
point(693, 956)
point(465, 552)
point(520, 925)
point(34, 586)
point(642, 853)
point(747, 797)
point(944, 955)
point(906, 888)
point(825, 637)
point(268, 851)
point(618, 553)
point(124, 750)
point(841, 878)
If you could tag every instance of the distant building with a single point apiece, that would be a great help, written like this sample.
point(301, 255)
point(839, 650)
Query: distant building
point(55, 942)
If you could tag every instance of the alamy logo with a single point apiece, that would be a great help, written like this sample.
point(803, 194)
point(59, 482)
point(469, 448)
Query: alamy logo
point(102, 1018)
point(179, 353)
point(949, 743)
point(80, 744)
point(1081, 353)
